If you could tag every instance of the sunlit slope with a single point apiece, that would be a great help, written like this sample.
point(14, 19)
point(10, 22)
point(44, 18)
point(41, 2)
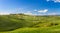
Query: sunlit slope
point(55, 29)
point(16, 21)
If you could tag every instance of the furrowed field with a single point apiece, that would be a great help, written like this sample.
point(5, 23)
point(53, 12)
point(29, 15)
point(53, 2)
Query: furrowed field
point(20, 23)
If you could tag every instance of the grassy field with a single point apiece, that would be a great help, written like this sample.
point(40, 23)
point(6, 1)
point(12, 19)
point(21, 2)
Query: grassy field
point(20, 23)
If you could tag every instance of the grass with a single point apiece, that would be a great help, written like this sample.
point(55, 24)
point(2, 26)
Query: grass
point(35, 30)
point(29, 24)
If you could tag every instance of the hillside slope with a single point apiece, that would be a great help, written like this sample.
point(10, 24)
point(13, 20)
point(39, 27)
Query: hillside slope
point(16, 21)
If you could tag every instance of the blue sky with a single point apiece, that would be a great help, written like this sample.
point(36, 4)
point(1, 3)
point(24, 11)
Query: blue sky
point(31, 7)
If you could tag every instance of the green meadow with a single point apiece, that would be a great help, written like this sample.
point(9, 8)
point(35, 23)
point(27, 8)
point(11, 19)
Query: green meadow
point(20, 23)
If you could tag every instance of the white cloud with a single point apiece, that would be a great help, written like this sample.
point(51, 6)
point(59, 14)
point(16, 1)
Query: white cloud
point(52, 13)
point(47, 0)
point(49, 14)
point(43, 11)
point(35, 10)
point(41, 14)
point(28, 13)
point(4, 13)
point(54, 0)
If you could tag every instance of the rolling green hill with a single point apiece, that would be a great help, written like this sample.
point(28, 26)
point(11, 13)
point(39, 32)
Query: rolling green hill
point(20, 23)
